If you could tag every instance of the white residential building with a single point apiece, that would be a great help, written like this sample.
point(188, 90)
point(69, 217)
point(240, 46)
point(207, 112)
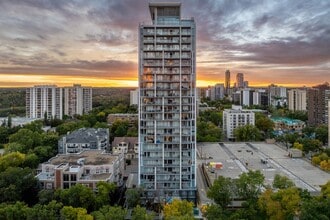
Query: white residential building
point(44, 100)
point(236, 117)
point(297, 100)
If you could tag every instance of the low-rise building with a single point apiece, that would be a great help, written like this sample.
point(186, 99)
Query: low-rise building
point(84, 139)
point(236, 117)
point(128, 146)
point(287, 124)
point(86, 168)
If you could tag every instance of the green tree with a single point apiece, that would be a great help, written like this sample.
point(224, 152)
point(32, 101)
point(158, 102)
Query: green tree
point(247, 133)
point(315, 208)
point(34, 126)
point(14, 211)
point(311, 144)
point(133, 197)
point(18, 184)
point(4, 134)
point(215, 212)
point(249, 185)
point(178, 209)
point(321, 133)
point(27, 138)
point(110, 213)
point(208, 132)
point(264, 124)
point(76, 196)
point(140, 213)
point(104, 190)
point(14, 159)
point(50, 211)
point(282, 182)
point(283, 204)
point(221, 191)
point(71, 213)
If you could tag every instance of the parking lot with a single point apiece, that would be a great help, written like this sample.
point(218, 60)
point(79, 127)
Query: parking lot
point(270, 159)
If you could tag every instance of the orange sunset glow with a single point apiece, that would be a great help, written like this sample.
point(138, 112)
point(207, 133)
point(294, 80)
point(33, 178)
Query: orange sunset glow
point(95, 43)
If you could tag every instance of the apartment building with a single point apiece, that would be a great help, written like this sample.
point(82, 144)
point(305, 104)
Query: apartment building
point(167, 104)
point(297, 100)
point(317, 98)
point(86, 168)
point(44, 101)
point(236, 117)
point(84, 139)
point(77, 100)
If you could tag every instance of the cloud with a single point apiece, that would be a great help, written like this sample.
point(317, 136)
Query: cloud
point(99, 38)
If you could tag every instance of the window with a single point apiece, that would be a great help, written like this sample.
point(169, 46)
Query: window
point(73, 177)
point(65, 177)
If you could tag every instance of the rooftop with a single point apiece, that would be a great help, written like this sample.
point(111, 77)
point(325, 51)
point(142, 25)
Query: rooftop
point(91, 157)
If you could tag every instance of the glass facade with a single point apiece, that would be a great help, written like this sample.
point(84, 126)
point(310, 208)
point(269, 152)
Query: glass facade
point(167, 105)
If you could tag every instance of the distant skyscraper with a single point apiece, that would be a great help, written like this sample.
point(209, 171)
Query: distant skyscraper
point(77, 100)
point(297, 100)
point(167, 105)
point(227, 82)
point(217, 92)
point(44, 100)
point(240, 80)
point(134, 97)
point(316, 104)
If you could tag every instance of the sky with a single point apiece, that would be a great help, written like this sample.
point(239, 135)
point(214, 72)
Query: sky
point(94, 43)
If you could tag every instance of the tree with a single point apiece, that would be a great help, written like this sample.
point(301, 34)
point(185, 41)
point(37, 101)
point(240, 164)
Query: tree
point(133, 197)
point(321, 133)
point(4, 135)
point(325, 190)
point(13, 159)
point(27, 138)
point(110, 213)
point(311, 144)
point(247, 133)
point(297, 145)
point(283, 204)
point(178, 209)
point(208, 132)
point(76, 196)
point(215, 212)
point(221, 191)
point(71, 213)
point(282, 182)
point(18, 184)
point(104, 190)
point(315, 208)
point(140, 213)
point(14, 211)
point(264, 124)
point(50, 211)
point(249, 185)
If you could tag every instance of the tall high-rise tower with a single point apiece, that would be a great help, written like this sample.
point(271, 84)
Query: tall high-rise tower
point(240, 80)
point(227, 82)
point(167, 104)
point(77, 100)
point(44, 101)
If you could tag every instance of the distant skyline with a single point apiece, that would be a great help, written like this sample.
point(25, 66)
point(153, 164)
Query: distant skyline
point(94, 43)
